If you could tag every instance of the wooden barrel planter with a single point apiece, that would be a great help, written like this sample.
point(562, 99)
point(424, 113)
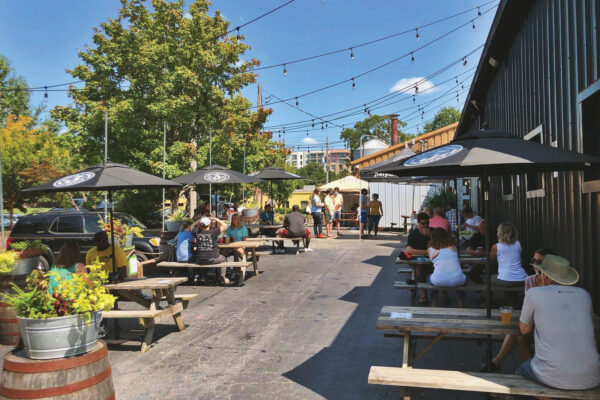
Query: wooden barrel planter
point(87, 376)
point(10, 335)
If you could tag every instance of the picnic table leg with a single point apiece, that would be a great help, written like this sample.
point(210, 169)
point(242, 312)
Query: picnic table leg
point(170, 295)
point(149, 324)
point(406, 363)
point(254, 261)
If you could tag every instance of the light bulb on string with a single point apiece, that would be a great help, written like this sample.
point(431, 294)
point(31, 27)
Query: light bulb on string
point(296, 102)
point(326, 125)
point(365, 108)
point(238, 33)
point(464, 61)
point(418, 36)
point(284, 70)
point(457, 96)
point(473, 24)
point(414, 98)
point(46, 94)
point(353, 83)
point(478, 12)
point(351, 53)
point(416, 89)
point(456, 78)
point(307, 132)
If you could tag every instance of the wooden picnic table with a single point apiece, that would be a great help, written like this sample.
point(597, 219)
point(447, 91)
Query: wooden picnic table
point(162, 289)
point(405, 223)
point(464, 261)
point(249, 247)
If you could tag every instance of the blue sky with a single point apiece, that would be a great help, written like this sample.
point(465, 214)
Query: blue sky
point(41, 40)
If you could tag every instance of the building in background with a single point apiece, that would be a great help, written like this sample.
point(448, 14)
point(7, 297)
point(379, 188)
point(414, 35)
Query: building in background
point(338, 159)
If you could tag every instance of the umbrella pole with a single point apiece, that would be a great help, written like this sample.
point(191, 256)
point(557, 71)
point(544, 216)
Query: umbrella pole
point(488, 288)
point(272, 202)
point(112, 233)
point(456, 227)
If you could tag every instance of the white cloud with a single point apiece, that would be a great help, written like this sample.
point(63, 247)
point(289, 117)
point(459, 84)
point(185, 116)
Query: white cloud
point(187, 15)
point(309, 140)
point(407, 85)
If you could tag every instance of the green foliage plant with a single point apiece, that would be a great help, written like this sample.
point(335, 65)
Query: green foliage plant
point(81, 295)
point(8, 259)
point(29, 248)
point(179, 215)
point(444, 197)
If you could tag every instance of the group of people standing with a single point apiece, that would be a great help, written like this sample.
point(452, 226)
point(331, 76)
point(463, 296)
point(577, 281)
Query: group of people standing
point(371, 212)
point(556, 316)
point(330, 208)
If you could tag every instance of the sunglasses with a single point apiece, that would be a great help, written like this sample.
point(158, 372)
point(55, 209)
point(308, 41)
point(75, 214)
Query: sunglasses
point(535, 261)
point(424, 223)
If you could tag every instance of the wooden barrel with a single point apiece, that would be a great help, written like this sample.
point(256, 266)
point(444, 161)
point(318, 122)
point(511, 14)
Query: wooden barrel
point(10, 335)
point(87, 376)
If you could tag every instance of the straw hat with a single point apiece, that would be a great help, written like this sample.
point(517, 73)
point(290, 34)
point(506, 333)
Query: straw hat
point(558, 269)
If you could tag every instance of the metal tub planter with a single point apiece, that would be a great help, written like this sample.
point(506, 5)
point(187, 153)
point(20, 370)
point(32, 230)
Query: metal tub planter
point(60, 336)
point(25, 266)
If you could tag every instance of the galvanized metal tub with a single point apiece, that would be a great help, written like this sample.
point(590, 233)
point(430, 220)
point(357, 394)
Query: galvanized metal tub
point(60, 336)
point(250, 212)
point(24, 267)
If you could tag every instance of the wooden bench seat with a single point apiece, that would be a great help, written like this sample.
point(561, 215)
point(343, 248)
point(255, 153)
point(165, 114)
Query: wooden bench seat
point(131, 313)
point(456, 336)
point(472, 382)
point(405, 270)
point(469, 287)
point(240, 266)
point(274, 240)
point(185, 298)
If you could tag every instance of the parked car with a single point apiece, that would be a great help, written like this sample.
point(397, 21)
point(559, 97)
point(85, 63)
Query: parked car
point(54, 227)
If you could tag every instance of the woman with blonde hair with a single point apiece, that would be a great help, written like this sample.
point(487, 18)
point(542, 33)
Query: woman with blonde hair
point(507, 252)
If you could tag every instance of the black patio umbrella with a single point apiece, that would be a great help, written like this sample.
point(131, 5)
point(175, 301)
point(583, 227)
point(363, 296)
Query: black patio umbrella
point(213, 175)
point(274, 174)
point(371, 174)
point(104, 177)
point(487, 153)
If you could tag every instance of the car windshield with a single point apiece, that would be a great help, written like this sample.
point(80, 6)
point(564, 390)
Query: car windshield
point(33, 224)
point(130, 220)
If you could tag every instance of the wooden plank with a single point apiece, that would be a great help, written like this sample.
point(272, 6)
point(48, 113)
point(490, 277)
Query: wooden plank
point(469, 287)
point(480, 312)
point(472, 382)
point(427, 261)
point(146, 283)
point(449, 336)
point(484, 327)
point(130, 313)
point(243, 244)
point(227, 264)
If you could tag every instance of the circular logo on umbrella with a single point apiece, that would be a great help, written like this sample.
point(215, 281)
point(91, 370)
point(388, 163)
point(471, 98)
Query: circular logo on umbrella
point(74, 179)
point(434, 155)
point(217, 177)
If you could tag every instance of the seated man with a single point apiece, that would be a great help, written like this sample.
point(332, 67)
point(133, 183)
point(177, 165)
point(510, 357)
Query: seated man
point(293, 227)
point(471, 220)
point(560, 315)
point(103, 251)
point(267, 217)
point(439, 220)
point(208, 250)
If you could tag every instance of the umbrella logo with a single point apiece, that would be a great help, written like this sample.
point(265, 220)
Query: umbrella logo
point(433, 155)
point(74, 179)
point(217, 177)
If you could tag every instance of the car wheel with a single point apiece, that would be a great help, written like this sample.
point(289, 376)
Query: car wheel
point(43, 264)
point(141, 256)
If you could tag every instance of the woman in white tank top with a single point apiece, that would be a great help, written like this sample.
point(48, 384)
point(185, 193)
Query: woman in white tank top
point(508, 254)
point(446, 266)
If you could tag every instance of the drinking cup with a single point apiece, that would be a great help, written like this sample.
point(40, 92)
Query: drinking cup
point(227, 239)
point(506, 314)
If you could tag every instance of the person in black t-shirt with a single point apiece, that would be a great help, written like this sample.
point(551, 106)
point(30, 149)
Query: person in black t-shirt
point(476, 245)
point(206, 238)
point(416, 245)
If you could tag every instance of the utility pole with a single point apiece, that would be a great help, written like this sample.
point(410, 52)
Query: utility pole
point(164, 171)
point(326, 159)
point(106, 159)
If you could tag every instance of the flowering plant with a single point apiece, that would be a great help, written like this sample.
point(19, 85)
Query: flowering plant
point(8, 259)
point(29, 248)
point(121, 230)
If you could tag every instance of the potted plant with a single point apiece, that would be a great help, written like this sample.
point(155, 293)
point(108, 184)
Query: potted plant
point(124, 233)
point(176, 220)
point(66, 322)
point(29, 253)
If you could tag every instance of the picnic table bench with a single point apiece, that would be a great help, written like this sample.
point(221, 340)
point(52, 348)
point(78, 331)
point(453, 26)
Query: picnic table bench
point(162, 289)
point(240, 266)
point(274, 240)
point(472, 382)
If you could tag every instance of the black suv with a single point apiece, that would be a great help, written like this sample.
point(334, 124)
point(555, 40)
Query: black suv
point(54, 227)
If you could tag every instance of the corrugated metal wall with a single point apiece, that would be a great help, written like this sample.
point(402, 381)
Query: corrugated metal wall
point(553, 58)
point(397, 200)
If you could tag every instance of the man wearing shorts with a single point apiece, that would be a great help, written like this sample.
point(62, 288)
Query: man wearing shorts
point(293, 227)
point(338, 204)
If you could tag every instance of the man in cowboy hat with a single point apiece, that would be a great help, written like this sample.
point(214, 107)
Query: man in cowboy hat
point(560, 315)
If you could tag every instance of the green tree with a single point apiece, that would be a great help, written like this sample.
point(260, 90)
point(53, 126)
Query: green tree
point(151, 66)
point(14, 97)
point(377, 126)
point(444, 117)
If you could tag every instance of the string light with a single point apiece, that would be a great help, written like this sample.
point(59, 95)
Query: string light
point(412, 57)
point(464, 61)
point(238, 33)
point(284, 70)
point(418, 36)
point(414, 98)
point(478, 11)
point(353, 83)
point(313, 123)
point(457, 96)
point(456, 78)
point(473, 26)
point(307, 132)
point(296, 102)
point(46, 94)
point(351, 54)
point(416, 88)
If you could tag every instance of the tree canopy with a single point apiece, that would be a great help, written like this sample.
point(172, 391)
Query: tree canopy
point(377, 126)
point(444, 117)
point(14, 98)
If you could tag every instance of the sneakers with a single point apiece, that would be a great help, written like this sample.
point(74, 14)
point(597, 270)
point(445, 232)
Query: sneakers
point(223, 280)
point(308, 249)
point(321, 236)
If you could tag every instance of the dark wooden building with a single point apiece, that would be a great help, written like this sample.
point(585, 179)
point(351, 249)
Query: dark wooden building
point(539, 77)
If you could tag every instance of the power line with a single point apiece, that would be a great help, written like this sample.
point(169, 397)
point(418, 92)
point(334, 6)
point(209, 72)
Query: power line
point(237, 28)
point(356, 46)
point(352, 79)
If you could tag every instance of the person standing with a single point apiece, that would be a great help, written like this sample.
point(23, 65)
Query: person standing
point(316, 206)
point(338, 202)
point(560, 316)
point(375, 213)
point(329, 211)
point(364, 210)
